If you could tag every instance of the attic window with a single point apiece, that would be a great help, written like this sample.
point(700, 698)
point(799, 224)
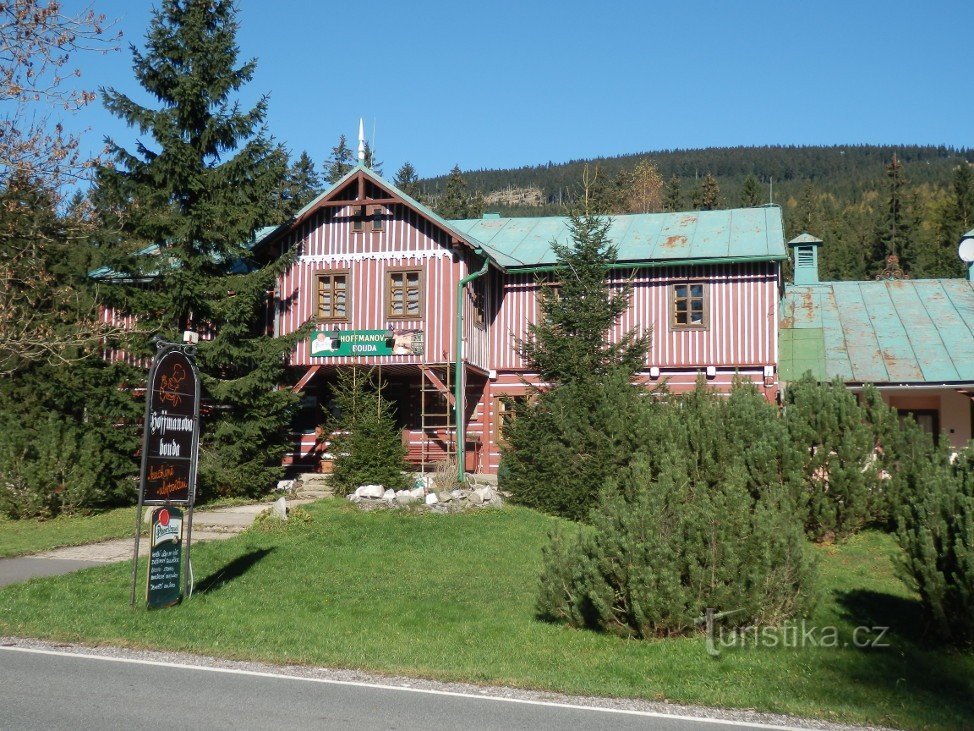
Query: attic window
point(358, 220)
point(806, 256)
point(376, 216)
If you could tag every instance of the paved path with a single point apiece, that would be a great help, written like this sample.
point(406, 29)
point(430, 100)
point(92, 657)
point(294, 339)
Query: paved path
point(55, 688)
point(208, 525)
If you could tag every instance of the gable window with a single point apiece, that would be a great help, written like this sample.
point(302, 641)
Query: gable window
point(404, 294)
point(377, 219)
point(332, 296)
point(358, 220)
point(689, 305)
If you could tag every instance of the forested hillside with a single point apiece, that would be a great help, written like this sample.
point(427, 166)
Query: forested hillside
point(865, 201)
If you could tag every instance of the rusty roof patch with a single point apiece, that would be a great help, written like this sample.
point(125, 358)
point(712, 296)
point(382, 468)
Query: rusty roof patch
point(673, 242)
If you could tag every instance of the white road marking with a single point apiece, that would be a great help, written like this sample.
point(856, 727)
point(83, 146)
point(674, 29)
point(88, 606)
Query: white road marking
point(381, 686)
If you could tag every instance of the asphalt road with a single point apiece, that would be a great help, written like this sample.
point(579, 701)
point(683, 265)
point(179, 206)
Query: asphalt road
point(67, 691)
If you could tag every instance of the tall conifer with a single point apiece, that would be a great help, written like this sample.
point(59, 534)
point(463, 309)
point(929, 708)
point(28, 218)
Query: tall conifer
point(197, 188)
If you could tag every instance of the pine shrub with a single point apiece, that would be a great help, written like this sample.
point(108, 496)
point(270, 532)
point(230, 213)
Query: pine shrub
point(664, 546)
point(367, 443)
point(844, 485)
point(936, 532)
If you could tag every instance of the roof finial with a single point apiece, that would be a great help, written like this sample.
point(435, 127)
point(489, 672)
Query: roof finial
point(361, 140)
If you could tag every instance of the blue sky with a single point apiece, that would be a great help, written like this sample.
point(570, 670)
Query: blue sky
point(498, 84)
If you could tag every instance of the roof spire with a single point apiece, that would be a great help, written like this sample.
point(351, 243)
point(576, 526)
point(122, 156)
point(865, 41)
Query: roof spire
point(361, 140)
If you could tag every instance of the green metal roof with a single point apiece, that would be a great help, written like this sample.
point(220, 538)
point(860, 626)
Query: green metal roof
point(511, 243)
point(901, 331)
point(741, 233)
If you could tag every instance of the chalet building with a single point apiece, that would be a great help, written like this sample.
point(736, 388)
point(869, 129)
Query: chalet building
point(439, 306)
point(912, 338)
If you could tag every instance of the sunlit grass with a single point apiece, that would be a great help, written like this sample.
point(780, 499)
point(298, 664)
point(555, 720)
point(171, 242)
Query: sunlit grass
point(452, 597)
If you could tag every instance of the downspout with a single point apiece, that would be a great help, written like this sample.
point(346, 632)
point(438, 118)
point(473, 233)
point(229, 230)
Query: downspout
point(459, 385)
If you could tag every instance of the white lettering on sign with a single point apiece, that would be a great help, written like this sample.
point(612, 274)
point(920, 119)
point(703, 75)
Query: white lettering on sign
point(161, 422)
point(169, 449)
point(170, 532)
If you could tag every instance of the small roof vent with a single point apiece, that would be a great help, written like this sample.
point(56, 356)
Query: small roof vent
point(492, 215)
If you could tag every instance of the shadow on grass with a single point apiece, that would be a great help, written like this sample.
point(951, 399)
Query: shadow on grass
point(233, 570)
point(911, 659)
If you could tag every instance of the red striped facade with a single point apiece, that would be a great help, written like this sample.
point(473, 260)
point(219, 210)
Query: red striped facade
point(739, 340)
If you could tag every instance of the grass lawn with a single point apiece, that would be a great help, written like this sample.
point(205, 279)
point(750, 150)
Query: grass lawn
point(452, 597)
point(19, 537)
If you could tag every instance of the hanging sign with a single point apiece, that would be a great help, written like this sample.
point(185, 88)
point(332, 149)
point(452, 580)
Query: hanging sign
point(171, 431)
point(336, 343)
point(165, 558)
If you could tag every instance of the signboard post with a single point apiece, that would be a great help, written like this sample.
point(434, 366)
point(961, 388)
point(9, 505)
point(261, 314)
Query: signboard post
point(170, 446)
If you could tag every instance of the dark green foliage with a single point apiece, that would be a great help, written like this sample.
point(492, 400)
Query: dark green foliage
point(561, 445)
point(342, 160)
point(673, 195)
point(367, 445)
point(303, 184)
point(665, 545)
point(213, 179)
point(707, 195)
point(563, 442)
point(407, 180)
point(897, 224)
point(750, 193)
point(570, 341)
point(936, 532)
point(956, 217)
point(844, 488)
point(456, 202)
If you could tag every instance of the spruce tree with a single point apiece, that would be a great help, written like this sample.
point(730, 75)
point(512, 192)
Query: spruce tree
point(707, 196)
point(407, 180)
point(342, 160)
point(198, 190)
point(897, 225)
point(455, 203)
point(580, 427)
point(673, 195)
point(367, 445)
point(303, 184)
point(751, 192)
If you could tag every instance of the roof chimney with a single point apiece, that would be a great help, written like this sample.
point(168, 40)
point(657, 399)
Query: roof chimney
point(966, 252)
point(806, 258)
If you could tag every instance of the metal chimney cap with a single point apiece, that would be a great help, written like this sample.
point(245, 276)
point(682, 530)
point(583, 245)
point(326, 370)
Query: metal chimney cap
point(805, 238)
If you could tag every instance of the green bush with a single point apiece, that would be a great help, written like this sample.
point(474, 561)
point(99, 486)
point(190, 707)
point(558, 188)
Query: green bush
point(367, 443)
point(936, 532)
point(55, 466)
point(664, 546)
point(844, 487)
point(561, 445)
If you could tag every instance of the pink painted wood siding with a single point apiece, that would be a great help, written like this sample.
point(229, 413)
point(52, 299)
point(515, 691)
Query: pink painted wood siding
point(326, 243)
point(742, 307)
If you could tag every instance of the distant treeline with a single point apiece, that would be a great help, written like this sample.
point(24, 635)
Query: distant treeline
point(865, 206)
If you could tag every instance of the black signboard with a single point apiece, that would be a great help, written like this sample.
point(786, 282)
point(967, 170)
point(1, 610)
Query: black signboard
point(171, 430)
point(165, 558)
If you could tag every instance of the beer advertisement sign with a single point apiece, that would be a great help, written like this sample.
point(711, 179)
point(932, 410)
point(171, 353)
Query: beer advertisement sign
point(165, 558)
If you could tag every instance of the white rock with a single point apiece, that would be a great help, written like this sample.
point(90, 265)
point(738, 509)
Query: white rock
point(444, 497)
point(355, 498)
point(474, 498)
point(280, 508)
point(285, 485)
point(418, 492)
point(405, 499)
point(372, 491)
point(431, 499)
point(389, 495)
point(485, 493)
